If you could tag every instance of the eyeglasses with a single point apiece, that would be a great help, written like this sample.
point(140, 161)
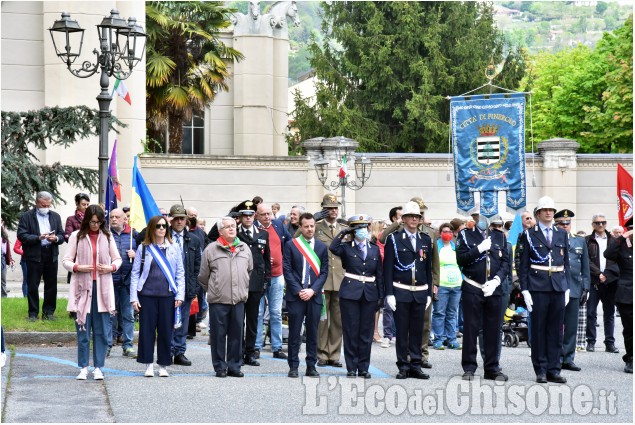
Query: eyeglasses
point(162, 226)
point(95, 223)
point(599, 223)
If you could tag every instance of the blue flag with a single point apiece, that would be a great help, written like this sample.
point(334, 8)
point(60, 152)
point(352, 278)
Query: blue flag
point(142, 205)
point(515, 230)
point(488, 137)
point(111, 198)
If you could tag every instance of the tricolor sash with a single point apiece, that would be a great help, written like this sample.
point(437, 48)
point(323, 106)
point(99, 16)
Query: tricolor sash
point(164, 265)
point(308, 253)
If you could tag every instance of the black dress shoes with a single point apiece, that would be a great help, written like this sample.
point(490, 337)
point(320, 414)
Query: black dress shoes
point(557, 379)
point(571, 366)
point(426, 365)
point(257, 354)
point(351, 374)
point(180, 359)
point(52, 318)
point(334, 363)
point(403, 374)
point(279, 355)
point(418, 374)
point(612, 349)
point(293, 373)
point(495, 376)
point(364, 375)
point(32, 318)
point(590, 347)
point(541, 379)
point(322, 363)
point(235, 373)
point(311, 371)
point(221, 374)
point(468, 376)
point(250, 361)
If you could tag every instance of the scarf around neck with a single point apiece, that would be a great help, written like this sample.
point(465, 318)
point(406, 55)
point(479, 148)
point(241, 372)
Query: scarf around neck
point(227, 246)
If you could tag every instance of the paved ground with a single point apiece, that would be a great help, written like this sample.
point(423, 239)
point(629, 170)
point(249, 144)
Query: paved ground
point(38, 385)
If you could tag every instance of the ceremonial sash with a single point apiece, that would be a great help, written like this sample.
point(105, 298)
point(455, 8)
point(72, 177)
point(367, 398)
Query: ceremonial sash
point(308, 253)
point(164, 265)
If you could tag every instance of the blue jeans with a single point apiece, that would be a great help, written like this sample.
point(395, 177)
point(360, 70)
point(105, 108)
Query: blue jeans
point(25, 288)
point(99, 324)
point(179, 335)
point(388, 321)
point(274, 299)
point(444, 314)
point(125, 315)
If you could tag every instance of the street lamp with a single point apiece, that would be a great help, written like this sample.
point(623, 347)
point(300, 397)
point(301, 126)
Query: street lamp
point(121, 48)
point(363, 168)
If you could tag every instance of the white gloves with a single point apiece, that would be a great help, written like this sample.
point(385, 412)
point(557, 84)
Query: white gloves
point(528, 301)
point(485, 245)
point(490, 286)
point(392, 302)
point(566, 297)
point(428, 302)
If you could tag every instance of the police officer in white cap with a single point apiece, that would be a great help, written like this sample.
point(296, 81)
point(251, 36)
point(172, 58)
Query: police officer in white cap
point(544, 264)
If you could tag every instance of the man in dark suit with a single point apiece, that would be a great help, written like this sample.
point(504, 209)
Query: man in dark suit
point(260, 278)
point(543, 269)
point(40, 231)
point(306, 266)
point(361, 293)
point(191, 249)
point(408, 281)
point(579, 283)
point(484, 260)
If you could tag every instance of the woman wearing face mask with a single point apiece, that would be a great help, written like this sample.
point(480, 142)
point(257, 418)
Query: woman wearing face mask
point(361, 292)
point(444, 313)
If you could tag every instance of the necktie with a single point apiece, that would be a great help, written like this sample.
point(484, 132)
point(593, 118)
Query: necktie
point(307, 271)
point(548, 235)
point(248, 233)
point(332, 230)
point(178, 240)
point(413, 241)
point(362, 250)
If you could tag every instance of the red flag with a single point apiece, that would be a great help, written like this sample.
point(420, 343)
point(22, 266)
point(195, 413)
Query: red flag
point(113, 172)
point(624, 194)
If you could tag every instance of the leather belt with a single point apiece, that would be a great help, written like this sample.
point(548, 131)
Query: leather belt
point(360, 278)
point(473, 282)
point(547, 268)
point(410, 287)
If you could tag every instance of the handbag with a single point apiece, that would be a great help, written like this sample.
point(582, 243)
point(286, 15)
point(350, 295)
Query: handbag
point(194, 308)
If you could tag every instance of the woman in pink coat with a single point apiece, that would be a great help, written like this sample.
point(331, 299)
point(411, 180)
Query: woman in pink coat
point(92, 256)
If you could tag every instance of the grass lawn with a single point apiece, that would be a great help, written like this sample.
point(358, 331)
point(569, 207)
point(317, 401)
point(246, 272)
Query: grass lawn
point(15, 317)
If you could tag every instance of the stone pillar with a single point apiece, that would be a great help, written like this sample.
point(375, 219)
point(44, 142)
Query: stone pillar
point(559, 176)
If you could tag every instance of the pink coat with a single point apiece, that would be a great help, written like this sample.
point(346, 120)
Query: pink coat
point(80, 293)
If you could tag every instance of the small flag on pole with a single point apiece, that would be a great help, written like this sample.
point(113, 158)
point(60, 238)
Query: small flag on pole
point(113, 172)
point(624, 194)
point(121, 89)
point(343, 168)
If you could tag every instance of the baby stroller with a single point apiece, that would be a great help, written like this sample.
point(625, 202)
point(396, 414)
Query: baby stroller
point(515, 327)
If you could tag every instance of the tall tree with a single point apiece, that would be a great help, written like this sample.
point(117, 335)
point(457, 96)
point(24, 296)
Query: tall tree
point(585, 94)
point(385, 69)
point(23, 133)
point(186, 63)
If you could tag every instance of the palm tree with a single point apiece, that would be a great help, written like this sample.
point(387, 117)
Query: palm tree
point(186, 63)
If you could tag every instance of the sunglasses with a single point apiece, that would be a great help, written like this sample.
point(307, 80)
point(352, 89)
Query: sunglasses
point(600, 223)
point(162, 226)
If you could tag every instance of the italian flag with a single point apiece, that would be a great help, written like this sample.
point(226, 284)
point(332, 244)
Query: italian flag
point(343, 169)
point(121, 89)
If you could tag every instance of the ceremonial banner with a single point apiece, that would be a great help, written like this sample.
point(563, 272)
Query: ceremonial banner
point(624, 194)
point(488, 140)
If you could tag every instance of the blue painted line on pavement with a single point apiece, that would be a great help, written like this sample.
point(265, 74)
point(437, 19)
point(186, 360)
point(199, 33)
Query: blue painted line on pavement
point(70, 363)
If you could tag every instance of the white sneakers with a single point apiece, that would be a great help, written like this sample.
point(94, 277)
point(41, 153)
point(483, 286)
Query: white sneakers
point(3, 359)
point(149, 370)
point(163, 372)
point(385, 343)
point(83, 373)
point(98, 375)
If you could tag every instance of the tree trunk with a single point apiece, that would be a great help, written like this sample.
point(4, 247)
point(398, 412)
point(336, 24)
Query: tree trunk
point(175, 128)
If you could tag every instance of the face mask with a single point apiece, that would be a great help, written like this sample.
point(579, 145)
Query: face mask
point(361, 234)
point(43, 211)
point(446, 237)
point(482, 224)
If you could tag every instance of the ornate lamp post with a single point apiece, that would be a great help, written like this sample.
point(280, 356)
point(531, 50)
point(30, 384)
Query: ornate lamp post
point(121, 48)
point(343, 149)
